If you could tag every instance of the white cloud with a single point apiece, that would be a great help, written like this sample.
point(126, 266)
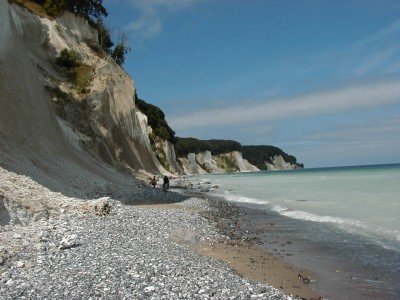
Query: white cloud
point(145, 27)
point(380, 58)
point(372, 141)
point(372, 131)
point(378, 51)
point(388, 32)
point(376, 54)
point(151, 14)
point(327, 102)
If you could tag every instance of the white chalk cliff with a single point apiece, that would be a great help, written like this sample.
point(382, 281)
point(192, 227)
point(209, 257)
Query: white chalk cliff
point(173, 164)
point(204, 162)
point(97, 137)
point(278, 163)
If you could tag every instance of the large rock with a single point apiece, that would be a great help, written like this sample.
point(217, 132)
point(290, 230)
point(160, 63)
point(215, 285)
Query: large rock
point(99, 207)
point(68, 241)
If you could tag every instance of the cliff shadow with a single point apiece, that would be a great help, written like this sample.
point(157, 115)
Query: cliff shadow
point(149, 195)
point(82, 184)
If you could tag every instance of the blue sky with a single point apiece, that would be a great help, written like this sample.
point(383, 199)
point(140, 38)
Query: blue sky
point(320, 79)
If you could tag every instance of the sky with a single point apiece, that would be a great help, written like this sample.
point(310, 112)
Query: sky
point(319, 79)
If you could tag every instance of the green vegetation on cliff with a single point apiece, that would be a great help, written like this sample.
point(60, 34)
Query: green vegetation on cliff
point(78, 73)
point(226, 163)
point(256, 155)
point(155, 119)
point(91, 10)
point(184, 146)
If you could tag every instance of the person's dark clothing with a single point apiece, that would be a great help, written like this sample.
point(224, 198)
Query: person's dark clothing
point(166, 183)
point(153, 182)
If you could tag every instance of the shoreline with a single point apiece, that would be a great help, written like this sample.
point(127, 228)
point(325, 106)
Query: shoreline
point(336, 277)
point(243, 251)
point(215, 246)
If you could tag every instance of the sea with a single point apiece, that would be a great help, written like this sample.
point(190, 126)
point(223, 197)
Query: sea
point(346, 218)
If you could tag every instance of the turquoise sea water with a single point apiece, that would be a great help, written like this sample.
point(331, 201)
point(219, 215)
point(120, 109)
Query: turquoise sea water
point(363, 200)
point(350, 214)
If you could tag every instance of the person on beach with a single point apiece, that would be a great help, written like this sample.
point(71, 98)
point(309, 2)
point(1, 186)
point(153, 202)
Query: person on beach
point(166, 183)
point(153, 181)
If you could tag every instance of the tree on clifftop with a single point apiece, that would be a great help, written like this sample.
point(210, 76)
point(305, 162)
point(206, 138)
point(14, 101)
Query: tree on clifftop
point(156, 119)
point(120, 49)
point(104, 36)
point(91, 10)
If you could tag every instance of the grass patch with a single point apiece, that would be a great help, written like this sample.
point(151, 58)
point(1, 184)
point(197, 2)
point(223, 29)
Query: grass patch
point(77, 72)
point(33, 7)
point(226, 163)
point(81, 76)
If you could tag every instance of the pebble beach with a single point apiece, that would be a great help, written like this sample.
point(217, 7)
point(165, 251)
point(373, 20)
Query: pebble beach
point(129, 252)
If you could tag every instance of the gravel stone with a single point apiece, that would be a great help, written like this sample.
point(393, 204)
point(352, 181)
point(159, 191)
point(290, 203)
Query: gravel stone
point(132, 252)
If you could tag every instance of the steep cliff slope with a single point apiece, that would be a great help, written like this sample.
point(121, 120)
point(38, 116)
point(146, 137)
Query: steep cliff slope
point(65, 137)
point(161, 136)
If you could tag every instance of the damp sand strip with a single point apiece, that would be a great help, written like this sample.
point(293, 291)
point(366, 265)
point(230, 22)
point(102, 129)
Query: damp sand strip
point(252, 262)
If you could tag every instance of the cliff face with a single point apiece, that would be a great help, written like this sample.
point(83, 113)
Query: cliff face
point(204, 162)
point(103, 117)
point(220, 156)
point(278, 163)
point(51, 130)
point(270, 158)
point(173, 164)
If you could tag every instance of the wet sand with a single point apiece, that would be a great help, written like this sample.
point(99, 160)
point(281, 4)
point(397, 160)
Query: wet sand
point(251, 261)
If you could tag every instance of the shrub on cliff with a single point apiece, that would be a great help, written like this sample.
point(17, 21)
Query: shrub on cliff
point(91, 10)
point(104, 36)
point(55, 8)
point(67, 58)
point(120, 50)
